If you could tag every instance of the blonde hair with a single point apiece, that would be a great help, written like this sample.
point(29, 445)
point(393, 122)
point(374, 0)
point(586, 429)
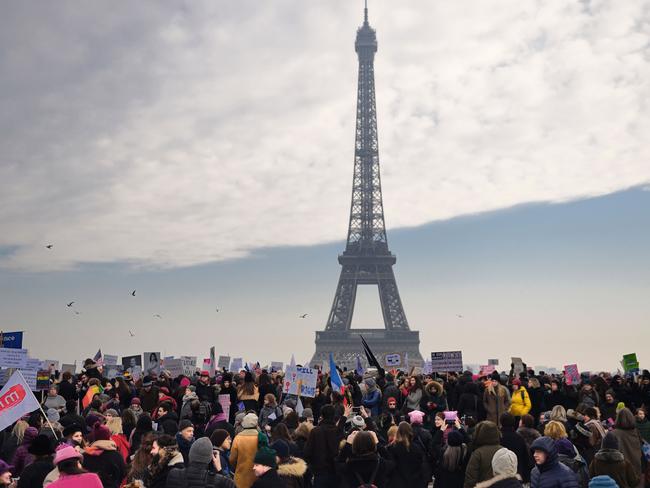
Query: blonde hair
point(392, 432)
point(303, 430)
point(19, 430)
point(114, 424)
point(533, 383)
point(558, 413)
point(555, 430)
point(404, 435)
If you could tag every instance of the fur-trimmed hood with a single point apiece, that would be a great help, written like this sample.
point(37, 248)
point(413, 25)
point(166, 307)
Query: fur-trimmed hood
point(294, 467)
point(435, 389)
point(496, 479)
point(610, 456)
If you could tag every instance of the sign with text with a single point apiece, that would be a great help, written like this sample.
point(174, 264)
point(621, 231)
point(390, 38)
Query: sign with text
point(12, 340)
point(13, 358)
point(300, 381)
point(175, 367)
point(112, 371)
point(393, 360)
point(189, 365)
point(151, 363)
point(446, 361)
point(224, 362)
point(237, 364)
point(630, 362)
point(68, 368)
point(571, 374)
point(276, 366)
point(110, 359)
point(518, 366)
point(487, 370)
point(493, 362)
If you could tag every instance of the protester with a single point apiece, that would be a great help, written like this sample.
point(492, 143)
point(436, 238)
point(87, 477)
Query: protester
point(496, 400)
point(548, 471)
point(222, 442)
point(185, 438)
point(360, 464)
point(450, 471)
point(485, 444)
point(141, 459)
point(322, 448)
point(515, 443)
point(165, 458)
point(520, 402)
point(33, 476)
point(629, 441)
point(291, 469)
point(54, 400)
point(103, 458)
point(243, 450)
point(505, 469)
point(5, 475)
point(610, 461)
point(22, 457)
point(408, 457)
point(265, 469)
point(70, 472)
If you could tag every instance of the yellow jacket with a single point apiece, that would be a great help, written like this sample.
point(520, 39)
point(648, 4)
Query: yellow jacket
point(520, 404)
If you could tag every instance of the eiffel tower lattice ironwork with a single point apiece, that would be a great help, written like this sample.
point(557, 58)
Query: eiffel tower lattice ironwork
point(366, 259)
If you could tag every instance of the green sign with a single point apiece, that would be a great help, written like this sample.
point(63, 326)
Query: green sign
point(630, 362)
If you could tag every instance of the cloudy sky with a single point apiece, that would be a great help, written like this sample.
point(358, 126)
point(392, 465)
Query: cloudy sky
point(203, 151)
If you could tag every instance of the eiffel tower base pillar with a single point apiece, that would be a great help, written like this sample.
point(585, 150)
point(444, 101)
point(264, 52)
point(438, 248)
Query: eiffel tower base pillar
point(346, 346)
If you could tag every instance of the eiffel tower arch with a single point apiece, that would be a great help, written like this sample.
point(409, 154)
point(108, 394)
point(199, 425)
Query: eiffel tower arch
point(366, 259)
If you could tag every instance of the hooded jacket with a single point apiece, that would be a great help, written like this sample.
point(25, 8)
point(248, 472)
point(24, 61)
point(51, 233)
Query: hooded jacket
point(103, 458)
point(435, 399)
point(520, 403)
point(612, 463)
point(293, 472)
point(630, 441)
point(485, 444)
point(551, 474)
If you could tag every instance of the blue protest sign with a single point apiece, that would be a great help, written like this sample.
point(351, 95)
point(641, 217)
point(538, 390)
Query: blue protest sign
point(12, 340)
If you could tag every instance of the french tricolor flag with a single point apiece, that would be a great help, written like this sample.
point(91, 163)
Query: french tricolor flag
point(335, 377)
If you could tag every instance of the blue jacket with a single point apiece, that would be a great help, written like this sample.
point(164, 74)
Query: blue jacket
point(372, 400)
point(551, 474)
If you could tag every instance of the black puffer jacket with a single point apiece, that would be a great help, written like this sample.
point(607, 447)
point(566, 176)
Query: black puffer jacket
point(551, 474)
point(196, 475)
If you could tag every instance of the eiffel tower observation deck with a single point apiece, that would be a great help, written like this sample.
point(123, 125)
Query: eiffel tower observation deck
point(366, 259)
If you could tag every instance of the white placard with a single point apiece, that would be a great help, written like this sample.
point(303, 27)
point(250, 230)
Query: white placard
point(110, 359)
point(236, 365)
point(13, 358)
point(393, 360)
point(189, 365)
point(174, 366)
point(446, 361)
point(303, 378)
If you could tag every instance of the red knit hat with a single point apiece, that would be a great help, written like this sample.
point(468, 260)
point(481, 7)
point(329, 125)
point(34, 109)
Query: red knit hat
point(101, 433)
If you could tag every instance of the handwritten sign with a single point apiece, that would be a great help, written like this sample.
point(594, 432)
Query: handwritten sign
point(393, 360)
point(300, 381)
point(13, 358)
point(174, 366)
point(446, 361)
point(276, 366)
point(224, 362)
point(189, 365)
point(571, 374)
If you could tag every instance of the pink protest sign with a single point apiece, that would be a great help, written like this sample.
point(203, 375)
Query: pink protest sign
point(571, 374)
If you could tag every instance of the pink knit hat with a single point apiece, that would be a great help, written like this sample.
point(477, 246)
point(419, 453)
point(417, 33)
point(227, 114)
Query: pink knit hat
point(416, 417)
point(66, 452)
point(185, 382)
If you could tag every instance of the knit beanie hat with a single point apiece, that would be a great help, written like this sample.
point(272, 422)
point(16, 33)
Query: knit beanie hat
point(101, 433)
point(185, 382)
point(610, 441)
point(619, 406)
point(281, 448)
point(135, 401)
point(455, 439)
point(504, 462)
point(201, 451)
point(147, 381)
point(370, 382)
point(266, 457)
point(53, 415)
point(602, 481)
point(358, 422)
point(184, 424)
point(416, 417)
point(218, 436)
point(564, 446)
point(250, 421)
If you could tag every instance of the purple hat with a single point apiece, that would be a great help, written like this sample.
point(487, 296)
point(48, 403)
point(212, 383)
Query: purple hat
point(66, 452)
point(4, 467)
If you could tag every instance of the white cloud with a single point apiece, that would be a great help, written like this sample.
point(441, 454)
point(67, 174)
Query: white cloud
point(176, 135)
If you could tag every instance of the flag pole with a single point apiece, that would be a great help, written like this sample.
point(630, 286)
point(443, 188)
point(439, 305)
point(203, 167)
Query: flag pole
point(40, 407)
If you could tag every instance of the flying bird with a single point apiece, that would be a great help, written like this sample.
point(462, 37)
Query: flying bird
point(459, 316)
point(77, 312)
point(50, 246)
point(131, 334)
point(70, 304)
point(303, 316)
point(133, 293)
point(157, 315)
point(218, 309)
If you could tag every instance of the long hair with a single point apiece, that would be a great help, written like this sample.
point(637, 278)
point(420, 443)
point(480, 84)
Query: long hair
point(558, 413)
point(363, 444)
point(280, 431)
point(142, 457)
point(70, 467)
point(19, 430)
point(404, 435)
point(555, 430)
point(625, 420)
point(303, 430)
point(454, 458)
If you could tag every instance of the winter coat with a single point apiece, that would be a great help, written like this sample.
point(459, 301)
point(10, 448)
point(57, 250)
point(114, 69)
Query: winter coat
point(102, 458)
point(149, 399)
point(551, 474)
point(156, 475)
point(186, 408)
point(292, 472)
point(516, 443)
point(266, 412)
point(408, 466)
point(502, 481)
point(538, 406)
point(85, 480)
point(172, 419)
point(9, 447)
point(184, 446)
point(270, 479)
point(588, 396)
point(644, 429)
point(612, 463)
point(520, 402)
point(348, 467)
point(197, 475)
point(629, 442)
point(242, 454)
point(576, 464)
point(322, 447)
point(22, 457)
point(372, 401)
point(496, 403)
point(219, 422)
point(485, 444)
point(529, 435)
point(451, 479)
point(469, 405)
point(123, 446)
point(435, 400)
point(412, 400)
point(68, 391)
point(206, 393)
point(34, 474)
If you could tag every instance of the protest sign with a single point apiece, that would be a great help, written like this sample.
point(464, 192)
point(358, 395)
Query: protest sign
point(16, 400)
point(175, 367)
point(13, 358)
point(189, 365)
point(212, 368)
point(276, 366)
point(427, 369)
point(129, 363)
point(43, 380)
point(30, 377)
point(206, 365)
point(300, 381)
point(571, 374)
point(12, 340)
point(151, 363)
point(224, 362)
point(493, 362)
point(112, 371)
point(630, 362)
point(50, 364)
point(110, 359)
point(224, 400)
point(237, 364)
point(518, 365)
point(34, 364)
point(487, 370)
point(446, 361)
point(68, 368)
point(393, 360)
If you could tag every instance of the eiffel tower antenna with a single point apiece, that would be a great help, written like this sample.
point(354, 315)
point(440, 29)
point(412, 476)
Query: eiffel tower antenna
point(366, 259)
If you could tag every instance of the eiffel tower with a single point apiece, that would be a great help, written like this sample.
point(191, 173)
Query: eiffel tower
point(366, 259)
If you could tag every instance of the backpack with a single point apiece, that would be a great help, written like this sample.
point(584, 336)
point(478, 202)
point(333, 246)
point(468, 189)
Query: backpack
point(371, 482)
point(204, 412)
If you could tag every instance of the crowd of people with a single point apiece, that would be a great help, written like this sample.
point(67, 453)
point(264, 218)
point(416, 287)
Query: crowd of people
point(382, 429)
